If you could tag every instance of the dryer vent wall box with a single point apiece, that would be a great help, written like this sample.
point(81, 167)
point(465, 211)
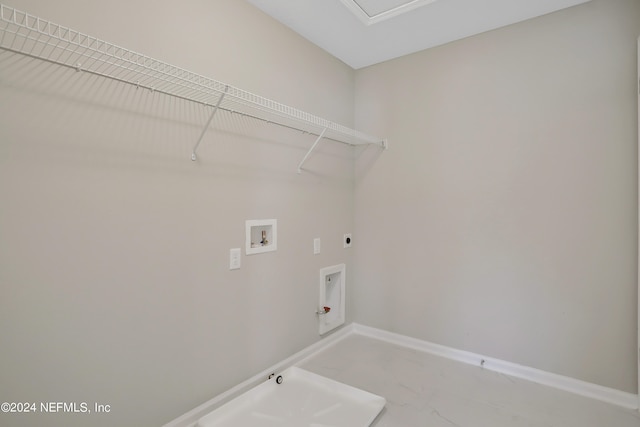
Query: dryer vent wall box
point(331, 307)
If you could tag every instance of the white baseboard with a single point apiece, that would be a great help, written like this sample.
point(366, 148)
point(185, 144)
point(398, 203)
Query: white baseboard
point(583, 388)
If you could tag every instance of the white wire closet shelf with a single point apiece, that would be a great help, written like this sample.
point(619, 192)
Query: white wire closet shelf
point(35, 37)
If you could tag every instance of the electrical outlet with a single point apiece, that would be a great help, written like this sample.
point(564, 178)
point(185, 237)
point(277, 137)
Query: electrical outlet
point(347, 240)
point(234, 259)
point(316, 246)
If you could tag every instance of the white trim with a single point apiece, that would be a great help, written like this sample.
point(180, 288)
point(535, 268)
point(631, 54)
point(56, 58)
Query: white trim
point(638, 275)
point(191, 418)
point(583, 388)
point(579, 387)
point(355, 8)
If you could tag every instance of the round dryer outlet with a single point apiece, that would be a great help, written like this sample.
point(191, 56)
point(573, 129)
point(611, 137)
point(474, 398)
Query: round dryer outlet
point(347, 240)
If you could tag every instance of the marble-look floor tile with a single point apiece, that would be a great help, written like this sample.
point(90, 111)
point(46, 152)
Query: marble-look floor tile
point(424, 390)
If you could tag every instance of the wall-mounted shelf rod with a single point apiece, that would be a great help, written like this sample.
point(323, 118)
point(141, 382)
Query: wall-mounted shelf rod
point(310, 150)
point(213, 113)
point(38, 38)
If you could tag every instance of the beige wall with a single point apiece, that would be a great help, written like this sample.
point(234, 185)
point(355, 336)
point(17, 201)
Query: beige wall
point(502, 220)
point(114, 246)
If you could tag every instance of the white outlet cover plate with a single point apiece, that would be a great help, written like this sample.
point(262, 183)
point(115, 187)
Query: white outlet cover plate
point(234, 258)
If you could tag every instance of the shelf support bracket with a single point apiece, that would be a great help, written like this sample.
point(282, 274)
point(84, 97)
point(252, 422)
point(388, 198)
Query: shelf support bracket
point(311, 149)
point(213, 113)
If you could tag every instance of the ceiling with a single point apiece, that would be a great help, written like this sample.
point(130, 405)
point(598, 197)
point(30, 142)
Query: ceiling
point(366, 32)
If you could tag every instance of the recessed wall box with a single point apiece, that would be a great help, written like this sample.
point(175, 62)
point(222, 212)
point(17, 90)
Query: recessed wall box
point(331, 313)
point(261, 236)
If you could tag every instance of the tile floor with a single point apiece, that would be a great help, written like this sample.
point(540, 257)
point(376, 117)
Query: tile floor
point(423, 390)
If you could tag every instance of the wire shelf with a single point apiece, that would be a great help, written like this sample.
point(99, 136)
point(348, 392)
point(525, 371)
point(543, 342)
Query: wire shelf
point(35, 37)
